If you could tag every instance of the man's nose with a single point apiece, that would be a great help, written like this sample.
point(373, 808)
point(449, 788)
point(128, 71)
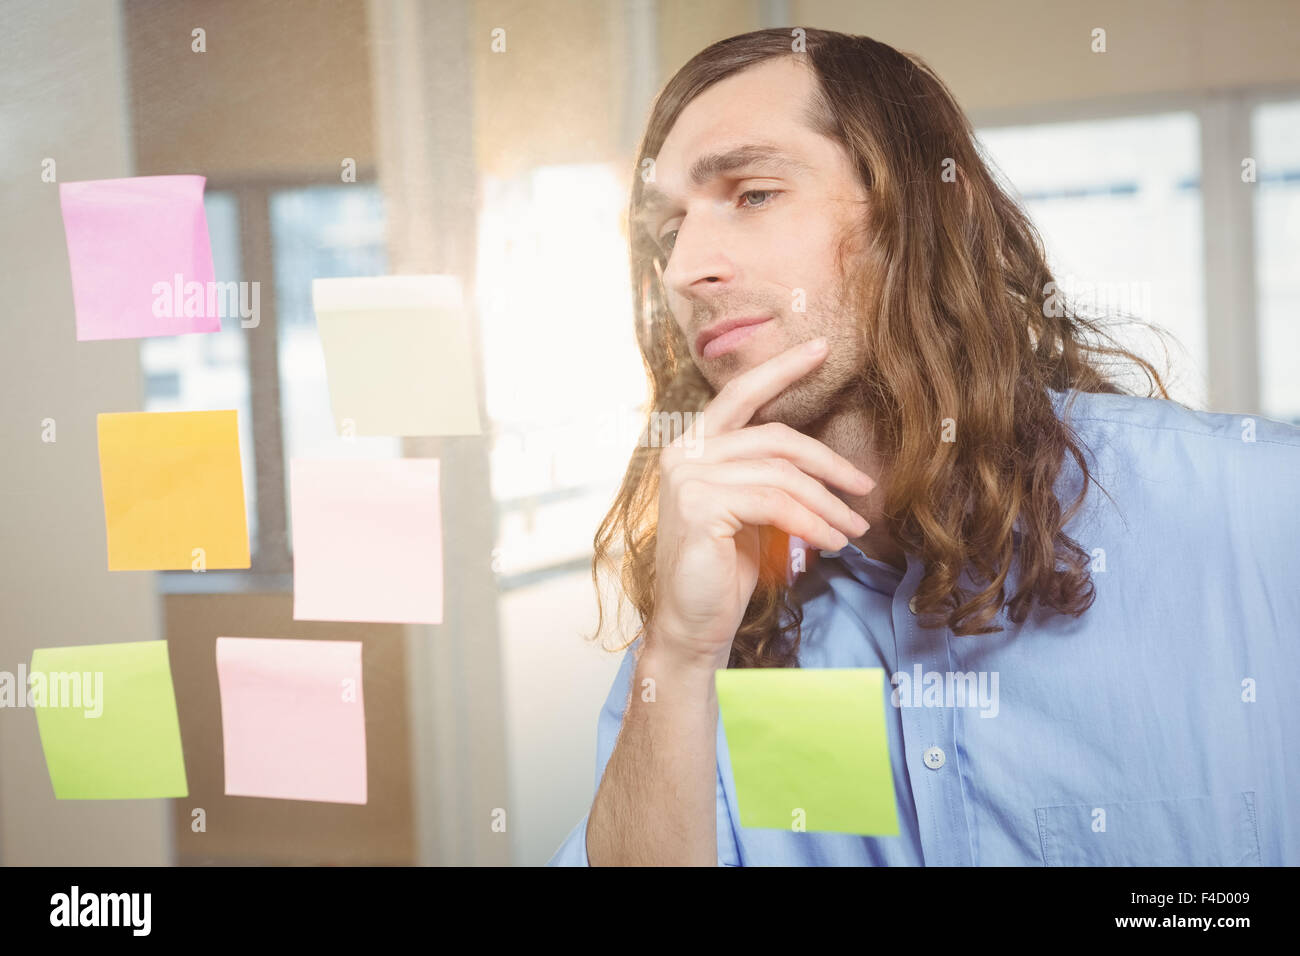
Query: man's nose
point(700, 259)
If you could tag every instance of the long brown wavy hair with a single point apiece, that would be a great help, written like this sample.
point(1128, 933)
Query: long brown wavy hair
point(955, 323)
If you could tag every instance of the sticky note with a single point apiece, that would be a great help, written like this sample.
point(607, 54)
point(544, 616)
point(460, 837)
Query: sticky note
point(397, 355)
point(132, 749)
point(140, 257)
point(173, 490)
point(293, 719)
point(808, 748)
point(367, 540)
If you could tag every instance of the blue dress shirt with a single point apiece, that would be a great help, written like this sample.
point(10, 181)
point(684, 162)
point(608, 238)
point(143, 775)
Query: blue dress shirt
point(1156, 729)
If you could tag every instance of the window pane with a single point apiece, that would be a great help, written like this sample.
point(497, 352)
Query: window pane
point(563, 379)
point(320, 232)
point(1118, 204)
point(1276, 135)
point(209, 371)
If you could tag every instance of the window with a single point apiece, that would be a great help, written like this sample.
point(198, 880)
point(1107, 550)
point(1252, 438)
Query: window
point(1118, 204)
point(293, 235)
point(563, 376)
point(320, 232)
point(209, 371)
point(1276, 149)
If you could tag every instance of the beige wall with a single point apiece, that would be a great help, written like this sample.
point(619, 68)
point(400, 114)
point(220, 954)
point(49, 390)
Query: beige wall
point(553, 95)
point(1017, 53)
point(282, 91)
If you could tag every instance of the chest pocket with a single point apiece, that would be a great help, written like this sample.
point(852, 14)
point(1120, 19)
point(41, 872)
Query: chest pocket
point(1214, 830)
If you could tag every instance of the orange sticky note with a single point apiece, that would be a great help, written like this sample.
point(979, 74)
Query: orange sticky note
point(173, 491)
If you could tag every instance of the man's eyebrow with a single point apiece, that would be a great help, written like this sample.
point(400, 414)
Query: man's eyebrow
point(712, 165)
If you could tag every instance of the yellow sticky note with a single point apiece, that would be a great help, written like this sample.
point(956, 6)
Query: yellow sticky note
point(173, 491)
point(808, 749)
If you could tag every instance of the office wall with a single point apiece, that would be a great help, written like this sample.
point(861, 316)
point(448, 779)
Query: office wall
point(1022, 53)
point(283, 90)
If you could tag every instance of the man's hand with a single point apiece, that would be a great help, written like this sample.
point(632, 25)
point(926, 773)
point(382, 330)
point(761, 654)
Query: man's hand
point(711, 506)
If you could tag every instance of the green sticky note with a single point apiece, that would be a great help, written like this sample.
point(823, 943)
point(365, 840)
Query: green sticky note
point(108, 724)
point(808, 749)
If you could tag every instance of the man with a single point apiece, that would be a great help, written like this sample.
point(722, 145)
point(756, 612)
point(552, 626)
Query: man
point(857, 320)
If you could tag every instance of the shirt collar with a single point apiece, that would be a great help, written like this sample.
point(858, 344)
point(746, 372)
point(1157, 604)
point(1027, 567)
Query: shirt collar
point(876, 574)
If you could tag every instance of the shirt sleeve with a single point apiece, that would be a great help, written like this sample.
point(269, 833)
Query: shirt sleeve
point(573, 851)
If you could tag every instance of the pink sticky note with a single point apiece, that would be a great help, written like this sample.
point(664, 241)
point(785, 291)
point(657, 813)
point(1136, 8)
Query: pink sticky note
point(367, 540)
point(140, 256)
point(293, 719)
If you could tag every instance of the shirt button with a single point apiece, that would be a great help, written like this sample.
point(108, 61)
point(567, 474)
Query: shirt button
point(911, 604)
point(933, 758)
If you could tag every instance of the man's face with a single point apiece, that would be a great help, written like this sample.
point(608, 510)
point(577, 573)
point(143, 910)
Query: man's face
point(757, 237)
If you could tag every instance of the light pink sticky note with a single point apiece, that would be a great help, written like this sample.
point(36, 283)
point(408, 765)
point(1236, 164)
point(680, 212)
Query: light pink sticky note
point(293, 719)
point(140, 256)
point(367, 540)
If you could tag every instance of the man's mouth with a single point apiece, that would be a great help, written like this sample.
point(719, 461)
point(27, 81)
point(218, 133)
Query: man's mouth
point(724, 336)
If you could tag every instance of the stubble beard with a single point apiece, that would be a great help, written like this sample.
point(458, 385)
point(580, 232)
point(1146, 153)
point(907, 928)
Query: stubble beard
point(825, 390)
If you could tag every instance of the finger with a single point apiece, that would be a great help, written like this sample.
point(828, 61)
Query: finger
point(738, 400)
point(740, 505)
point(779, 473)
point(778, 440)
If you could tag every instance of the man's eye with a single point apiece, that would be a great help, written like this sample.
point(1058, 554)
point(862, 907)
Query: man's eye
point(757, 192)
point(667, 247)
